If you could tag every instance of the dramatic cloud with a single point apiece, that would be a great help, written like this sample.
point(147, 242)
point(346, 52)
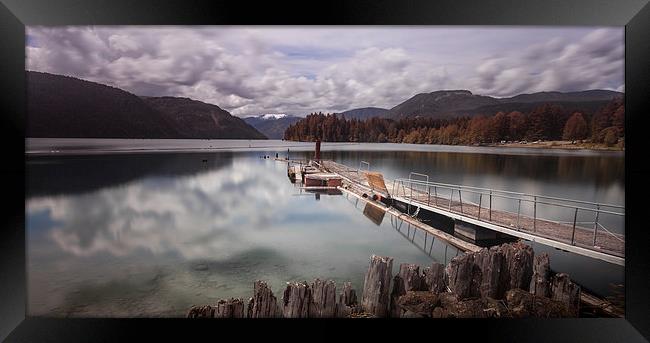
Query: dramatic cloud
point(254, 70)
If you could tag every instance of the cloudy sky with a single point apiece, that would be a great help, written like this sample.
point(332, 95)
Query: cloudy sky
point(298, 70)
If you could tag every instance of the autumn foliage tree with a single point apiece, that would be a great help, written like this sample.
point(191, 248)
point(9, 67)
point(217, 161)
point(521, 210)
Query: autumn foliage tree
point(575, 128)
point(545, 122)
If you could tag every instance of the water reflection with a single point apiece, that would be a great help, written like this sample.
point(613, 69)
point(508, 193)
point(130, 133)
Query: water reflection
point(588, 171)
point(151, 234)
point(52, 175)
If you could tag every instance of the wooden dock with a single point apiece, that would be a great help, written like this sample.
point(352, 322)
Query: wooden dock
point(601, 244)
point(358, 186)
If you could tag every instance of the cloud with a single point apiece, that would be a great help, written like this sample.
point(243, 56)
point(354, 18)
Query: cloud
point(253, 70)
point(187, 216)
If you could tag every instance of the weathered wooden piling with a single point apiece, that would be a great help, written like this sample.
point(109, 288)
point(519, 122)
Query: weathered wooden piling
point(539, 283)
point(434, 278)
point(408, 279)
point(519, 264)
point(464, 276)
point(565, 291)
point(263, 304)
point(375, 299)
point(491, 262)
point(483, 284)
point(206, 311)
point(347, 304)
point(231, 308)
point(323, 301)
point(296, 299)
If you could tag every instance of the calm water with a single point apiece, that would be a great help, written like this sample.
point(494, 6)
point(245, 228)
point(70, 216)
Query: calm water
point(152, 232)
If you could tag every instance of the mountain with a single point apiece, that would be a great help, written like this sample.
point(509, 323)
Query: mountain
point(63, 106)
point(364, 113)
point(450, 103)
point(272, 125)
point(584, 96)
point(196, 119)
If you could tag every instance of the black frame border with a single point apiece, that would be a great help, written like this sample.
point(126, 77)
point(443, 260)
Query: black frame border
point(16, 14)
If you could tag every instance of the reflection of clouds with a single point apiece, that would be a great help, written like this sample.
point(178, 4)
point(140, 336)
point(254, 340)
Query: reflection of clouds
point(204, 216)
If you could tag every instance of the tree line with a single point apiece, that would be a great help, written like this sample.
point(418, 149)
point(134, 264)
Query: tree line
point(545, 122)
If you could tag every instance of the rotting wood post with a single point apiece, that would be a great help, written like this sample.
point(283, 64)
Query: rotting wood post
point(492, 265)
point(231, 308)
point(347, 303)
point(296, 299)
point(323, 299)
point(206, 311)
point(480, 201)
point(539, 283)
point(518, 264)
point(464, 276)
point(433, 278)
point(375, 299)
point(263, 304)
point(565, 291)
point(408, 279)
point(460, 198)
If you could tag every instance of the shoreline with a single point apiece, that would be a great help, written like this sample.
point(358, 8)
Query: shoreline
point(566, 145)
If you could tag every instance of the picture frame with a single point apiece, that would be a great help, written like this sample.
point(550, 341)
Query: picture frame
point(15, 326)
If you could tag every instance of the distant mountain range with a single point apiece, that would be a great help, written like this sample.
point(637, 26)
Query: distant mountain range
point(62, 106)
point(272, 125)
point(453, 103)
point(67, 107)
point(364, 113)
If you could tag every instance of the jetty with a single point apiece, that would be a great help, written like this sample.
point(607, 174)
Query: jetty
point(482, 212)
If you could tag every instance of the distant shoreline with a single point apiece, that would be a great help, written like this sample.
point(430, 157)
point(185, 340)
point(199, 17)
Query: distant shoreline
point(568, 145)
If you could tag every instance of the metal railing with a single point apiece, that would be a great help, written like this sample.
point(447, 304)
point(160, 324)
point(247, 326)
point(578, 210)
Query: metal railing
point(500, 205)
point(359, 169)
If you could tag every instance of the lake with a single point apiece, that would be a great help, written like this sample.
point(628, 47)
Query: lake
point(147, 228)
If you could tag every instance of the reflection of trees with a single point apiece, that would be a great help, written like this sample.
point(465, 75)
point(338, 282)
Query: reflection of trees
point(589, 170)
point(53, 175)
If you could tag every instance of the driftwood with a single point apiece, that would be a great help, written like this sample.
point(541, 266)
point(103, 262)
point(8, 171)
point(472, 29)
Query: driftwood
point(347, 304)
point(408, 279)
point(539, 283)
point(376, 286)
point(566, 292)
point(263, 304)
point(464, 276)
point(434, 278)
point(323, 302)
